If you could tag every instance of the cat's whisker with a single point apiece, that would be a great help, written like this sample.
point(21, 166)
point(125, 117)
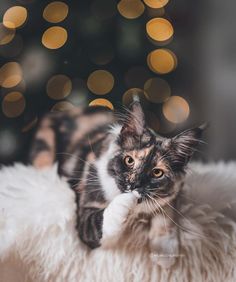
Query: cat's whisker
point(160, 210)
point(181, 227)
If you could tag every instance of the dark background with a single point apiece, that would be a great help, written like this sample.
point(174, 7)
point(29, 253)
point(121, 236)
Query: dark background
point(204, 44)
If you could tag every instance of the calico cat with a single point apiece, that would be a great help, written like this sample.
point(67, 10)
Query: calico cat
point(127, 177)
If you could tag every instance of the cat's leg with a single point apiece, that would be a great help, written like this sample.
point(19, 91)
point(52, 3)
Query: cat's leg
point(163, 239)
point(103, 226)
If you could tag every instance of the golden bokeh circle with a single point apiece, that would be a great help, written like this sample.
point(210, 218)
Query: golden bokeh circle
point(55, 12)
point(54, 37)
point(10, 74)
point(131, 9)
point(59, 86)
point(13, 48)
point(176, 109)
point(13, 104)
point(127, 98)
point(159, 29)
point(162, 61)
point(15, 17)
point(6, 34)
point(102, 102)
point(63, 106)
point(156, 4)
point(157, 90)
point(100, 82)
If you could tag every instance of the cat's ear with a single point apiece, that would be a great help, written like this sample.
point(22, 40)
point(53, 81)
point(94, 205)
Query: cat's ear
point(135, 121)
point(183, 146)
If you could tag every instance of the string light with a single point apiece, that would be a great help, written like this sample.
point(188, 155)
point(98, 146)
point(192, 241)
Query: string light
point(131, 9)
point(15, 17)
point(102, 102)
point(55, 12)
point(128, 96)
point(59, 87)
point(100, 82)
point(63, 106)
point(159, 29)
point(13, 48)
point(10, 74)
point(176, 109)
point(6, 34)
point(54, 37)
point(157, 90)
point(162, 61)
point(156, 4)
point(13, 104)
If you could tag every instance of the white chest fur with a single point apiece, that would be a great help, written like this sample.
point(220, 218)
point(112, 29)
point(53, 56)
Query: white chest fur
point(108, 183)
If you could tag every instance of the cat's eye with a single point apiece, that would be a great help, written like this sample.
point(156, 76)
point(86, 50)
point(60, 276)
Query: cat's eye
point(129, 161)
point(158, 173)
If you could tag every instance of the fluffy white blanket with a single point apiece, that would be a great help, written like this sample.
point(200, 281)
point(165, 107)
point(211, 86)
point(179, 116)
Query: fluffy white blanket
point(39, 242)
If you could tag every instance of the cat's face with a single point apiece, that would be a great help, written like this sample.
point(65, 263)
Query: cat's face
point(149, 163)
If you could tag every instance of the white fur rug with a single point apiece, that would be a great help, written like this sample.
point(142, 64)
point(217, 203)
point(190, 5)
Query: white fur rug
point(38, 237)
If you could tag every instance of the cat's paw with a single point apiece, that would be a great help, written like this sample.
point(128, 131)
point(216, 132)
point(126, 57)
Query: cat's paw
point(116, 213)
point(165, 250)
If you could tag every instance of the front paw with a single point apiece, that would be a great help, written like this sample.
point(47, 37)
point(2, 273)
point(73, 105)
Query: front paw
point(116, 214)
point(165, 251)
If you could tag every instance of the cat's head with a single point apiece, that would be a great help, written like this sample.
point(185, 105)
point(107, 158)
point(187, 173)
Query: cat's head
point(147, 162)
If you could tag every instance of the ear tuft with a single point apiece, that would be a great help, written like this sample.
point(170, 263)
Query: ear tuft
point(135, 123)
point(184, 145)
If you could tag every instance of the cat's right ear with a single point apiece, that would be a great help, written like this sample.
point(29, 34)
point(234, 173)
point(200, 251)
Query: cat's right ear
point(134, 124)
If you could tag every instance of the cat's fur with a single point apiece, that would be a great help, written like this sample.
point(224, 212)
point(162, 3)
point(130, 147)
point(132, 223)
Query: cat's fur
point(116, 201)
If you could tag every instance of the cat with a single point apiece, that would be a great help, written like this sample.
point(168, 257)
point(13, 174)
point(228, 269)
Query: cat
point(127, 178)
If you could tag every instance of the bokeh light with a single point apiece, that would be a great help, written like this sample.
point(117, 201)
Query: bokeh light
point(63, 106)
point(13, 48)
point(131, 9)
point(15, 17)
point(103, 9)
point(59, 87)
point(54, 37)
point(136, 77)
point(159, 29)
point(157, 90)
point(100, 82)
point(6, 34)
point(55, 12)
point(13, 104)
point(176, 109)
point(127, 98)
point(9, 144)
point(162, 61)
point(156, 4)
point(102, 102)
point(10, 74)
point(79, 93)
point(37, 65)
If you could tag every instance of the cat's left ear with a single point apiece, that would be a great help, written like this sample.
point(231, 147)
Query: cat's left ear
point(183, 146)
point(135, 122)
